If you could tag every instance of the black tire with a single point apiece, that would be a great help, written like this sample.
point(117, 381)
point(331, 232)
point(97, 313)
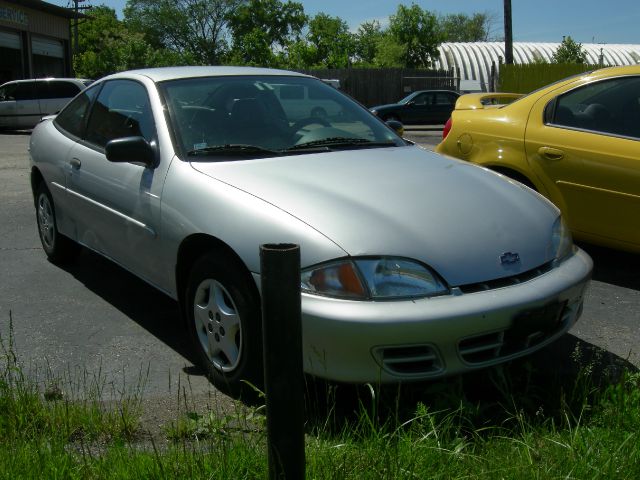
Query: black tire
point(227, 331)
point(58, 248)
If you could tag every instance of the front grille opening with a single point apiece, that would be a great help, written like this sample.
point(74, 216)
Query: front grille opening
point(506, 281)
point(528, 329)
point(481, 348)
point(410, 360)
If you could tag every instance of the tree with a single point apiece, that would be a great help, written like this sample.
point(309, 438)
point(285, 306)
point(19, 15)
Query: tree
point(570, 51)
point(196, 29)
point(262, 30)
point(107, 46)
point(418, 31)
point(330, 42)
point(366, 40)
point(390, 53)
point(459, 27)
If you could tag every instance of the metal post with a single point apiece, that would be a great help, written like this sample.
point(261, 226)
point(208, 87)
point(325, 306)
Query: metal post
point(283, 376)
point(508, 34)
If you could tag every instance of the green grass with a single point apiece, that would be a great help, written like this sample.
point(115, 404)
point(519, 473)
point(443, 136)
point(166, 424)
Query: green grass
point(522, 421)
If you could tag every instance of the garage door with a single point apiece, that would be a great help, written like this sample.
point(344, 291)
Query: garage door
point(10, 40)
point(47, 47)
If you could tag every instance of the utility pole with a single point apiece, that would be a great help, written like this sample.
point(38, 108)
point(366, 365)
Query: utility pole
point(508, 34)
point(76, 20)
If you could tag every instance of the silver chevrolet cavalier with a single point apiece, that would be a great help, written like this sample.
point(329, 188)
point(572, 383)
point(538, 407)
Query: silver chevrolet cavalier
point(414, 266)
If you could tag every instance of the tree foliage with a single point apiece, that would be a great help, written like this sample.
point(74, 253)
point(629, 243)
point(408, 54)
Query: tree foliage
point(418, 31)
point(331, 45)
point(459, 27)
point(261, 31)
point(107, 46)
point(195, 29)
point(390, 53)
point(570, 51)
point(366, 41)
point(270, 33)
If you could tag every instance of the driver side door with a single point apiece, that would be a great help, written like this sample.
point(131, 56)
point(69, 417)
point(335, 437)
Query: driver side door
point(116, 206)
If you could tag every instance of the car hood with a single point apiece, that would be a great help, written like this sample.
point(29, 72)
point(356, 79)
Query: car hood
point(404, 201)
point(387, 107)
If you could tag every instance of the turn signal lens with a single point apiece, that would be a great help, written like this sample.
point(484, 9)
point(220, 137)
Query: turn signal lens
point(447, 128)
point(337, 280)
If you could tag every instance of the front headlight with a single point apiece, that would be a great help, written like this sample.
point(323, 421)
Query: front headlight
point(561, 241)
point(373, 278)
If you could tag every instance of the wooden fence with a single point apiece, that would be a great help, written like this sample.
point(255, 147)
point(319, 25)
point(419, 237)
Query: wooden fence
point(526, 78)
point(375, 86)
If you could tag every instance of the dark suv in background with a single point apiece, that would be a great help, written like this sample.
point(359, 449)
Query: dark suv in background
point(421, 106)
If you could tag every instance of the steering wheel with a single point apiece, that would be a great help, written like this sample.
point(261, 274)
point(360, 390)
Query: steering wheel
point(303, 122)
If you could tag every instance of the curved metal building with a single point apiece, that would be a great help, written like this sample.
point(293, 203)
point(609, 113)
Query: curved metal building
point(474, 59)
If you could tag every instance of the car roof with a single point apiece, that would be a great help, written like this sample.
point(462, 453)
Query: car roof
point(172, 73)
point(48, 79)
point(613, 71)
point(436, 90)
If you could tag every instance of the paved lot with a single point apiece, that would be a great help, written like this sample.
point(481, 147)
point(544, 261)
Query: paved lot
point(94, 317)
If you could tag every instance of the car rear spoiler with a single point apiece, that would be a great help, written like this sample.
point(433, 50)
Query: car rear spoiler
point(475, 101)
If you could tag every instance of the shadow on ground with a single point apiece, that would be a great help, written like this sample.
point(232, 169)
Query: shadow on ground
point(15, 132)
point(614, 267)
point(145, 305)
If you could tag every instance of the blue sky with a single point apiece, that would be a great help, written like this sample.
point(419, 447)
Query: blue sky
point(586, 21)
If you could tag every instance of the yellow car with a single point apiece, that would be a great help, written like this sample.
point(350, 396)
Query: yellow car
point(576, 141)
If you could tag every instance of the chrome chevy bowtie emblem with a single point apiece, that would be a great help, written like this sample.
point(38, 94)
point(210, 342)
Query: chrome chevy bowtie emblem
point(509, 258)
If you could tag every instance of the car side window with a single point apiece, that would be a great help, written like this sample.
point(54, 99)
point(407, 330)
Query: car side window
point(610, 107)
point(121, 110)
point(73, 117)
point(7, 92)
point(422, 99)
point(57, 89)
point(24, 91)
point(444, 99)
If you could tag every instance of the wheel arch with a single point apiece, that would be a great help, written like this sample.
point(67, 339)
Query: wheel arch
point(391, 116)
point(195, 246)
point(514, 175)
point(36, 179)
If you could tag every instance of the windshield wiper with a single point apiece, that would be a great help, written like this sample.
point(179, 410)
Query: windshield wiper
point(232, 148)
point(342, 142)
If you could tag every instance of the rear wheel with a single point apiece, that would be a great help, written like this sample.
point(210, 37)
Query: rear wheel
point(223, 315)
point(59, 249)
point(516, 176)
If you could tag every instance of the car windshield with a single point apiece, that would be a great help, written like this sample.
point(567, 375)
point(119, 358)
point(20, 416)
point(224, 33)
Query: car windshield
point(267, 116)
point(408, 98)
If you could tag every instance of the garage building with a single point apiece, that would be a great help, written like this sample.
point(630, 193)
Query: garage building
point(34, 40)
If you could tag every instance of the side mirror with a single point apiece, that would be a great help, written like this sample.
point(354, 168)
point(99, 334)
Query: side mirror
point(396, 126)
point(131, 150)
point(411, 103)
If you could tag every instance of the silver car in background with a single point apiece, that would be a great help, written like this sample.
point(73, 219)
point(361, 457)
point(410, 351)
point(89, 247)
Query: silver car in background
point(23, 103)
point(414, 266)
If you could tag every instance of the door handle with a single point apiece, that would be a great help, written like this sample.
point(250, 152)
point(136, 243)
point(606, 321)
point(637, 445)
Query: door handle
point(75, 163)
point(551, 153)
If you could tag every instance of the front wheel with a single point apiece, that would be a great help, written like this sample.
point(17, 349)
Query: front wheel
point(59, 249)
point(223, 317)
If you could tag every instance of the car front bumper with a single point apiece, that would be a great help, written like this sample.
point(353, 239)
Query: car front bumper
point(408, 340)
